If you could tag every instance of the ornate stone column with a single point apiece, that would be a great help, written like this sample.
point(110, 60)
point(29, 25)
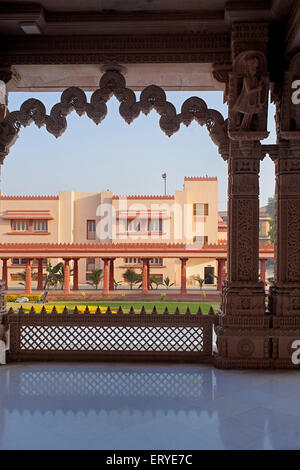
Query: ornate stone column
point(40, 285)
point(243, 337)
point(183, 275)
point(105, 276)
point(4, 272)
point(28, 290)
point(67, 276)
point(111, 274)
point(145, 271)
point(3, 311)
point(75, 274)
point(284, 298)
point(221, 272)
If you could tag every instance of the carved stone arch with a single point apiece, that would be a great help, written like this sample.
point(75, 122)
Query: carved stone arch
point(113, 83)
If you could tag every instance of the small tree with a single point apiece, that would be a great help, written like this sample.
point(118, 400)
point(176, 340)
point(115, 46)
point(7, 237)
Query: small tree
point(154, 281)
point(167, 283)
point(131, 277)
point(200, 281)
point(96, 277)
point(54, 275)
point(117, 283)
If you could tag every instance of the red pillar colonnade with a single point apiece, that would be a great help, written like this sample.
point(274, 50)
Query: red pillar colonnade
point(145, 275)
point(28, 289)
point(183, 275)
point(105, 276)
point(40, 274)
point(4, 272)
point(111, 274)
point(221, 272)
point(67, 276)
point(263, 271)
point(75, 274)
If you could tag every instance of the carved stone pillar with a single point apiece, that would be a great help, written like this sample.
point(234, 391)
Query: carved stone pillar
point(243, 330)
point(67, 276)
point(3, 310)
point(284, 298)
point(105, 276)
point(241, 335)
point(28, 290)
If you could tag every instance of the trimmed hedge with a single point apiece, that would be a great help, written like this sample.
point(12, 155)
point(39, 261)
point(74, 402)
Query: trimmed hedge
point(31, 297)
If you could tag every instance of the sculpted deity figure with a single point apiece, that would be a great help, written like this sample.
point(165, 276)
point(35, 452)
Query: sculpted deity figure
point(254, 93)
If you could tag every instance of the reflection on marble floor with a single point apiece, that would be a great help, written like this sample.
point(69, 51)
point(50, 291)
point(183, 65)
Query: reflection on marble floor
point(145, 406)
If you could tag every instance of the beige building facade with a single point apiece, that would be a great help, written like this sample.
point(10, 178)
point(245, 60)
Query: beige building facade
point(190, 216)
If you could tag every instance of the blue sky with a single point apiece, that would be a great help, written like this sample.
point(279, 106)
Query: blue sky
point(127, 159)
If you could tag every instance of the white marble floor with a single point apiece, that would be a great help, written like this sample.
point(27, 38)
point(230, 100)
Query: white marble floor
point(146, 406)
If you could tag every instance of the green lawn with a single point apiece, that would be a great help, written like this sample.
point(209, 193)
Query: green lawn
point(160, 305)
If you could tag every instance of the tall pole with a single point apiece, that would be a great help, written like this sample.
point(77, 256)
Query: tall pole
point(164, 177)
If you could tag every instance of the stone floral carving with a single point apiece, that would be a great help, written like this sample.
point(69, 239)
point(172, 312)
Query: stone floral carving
point(245, 347)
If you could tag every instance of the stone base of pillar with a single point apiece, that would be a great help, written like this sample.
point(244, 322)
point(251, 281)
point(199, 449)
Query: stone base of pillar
point(243, 348)
point(243, 331)
point(248, 337)
point(284, 305)
point(243, 298)
point(284, 299)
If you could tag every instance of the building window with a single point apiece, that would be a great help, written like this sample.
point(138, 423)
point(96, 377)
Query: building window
point(90, 264)
point(201, 239)
point(155, 225)
point(91, 230)
point(20, 225)
point(200, 209)
point(40, 225)
point(156, 261)
point(209, 275)
point(133, 225)
point(18, 261)
point(132, 260)
point(159, 277)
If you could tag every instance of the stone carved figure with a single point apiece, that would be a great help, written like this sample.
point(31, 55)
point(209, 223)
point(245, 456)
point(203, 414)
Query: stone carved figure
point(254, 93)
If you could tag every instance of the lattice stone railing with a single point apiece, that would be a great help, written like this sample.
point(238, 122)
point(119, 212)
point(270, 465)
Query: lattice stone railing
point(121, 336)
